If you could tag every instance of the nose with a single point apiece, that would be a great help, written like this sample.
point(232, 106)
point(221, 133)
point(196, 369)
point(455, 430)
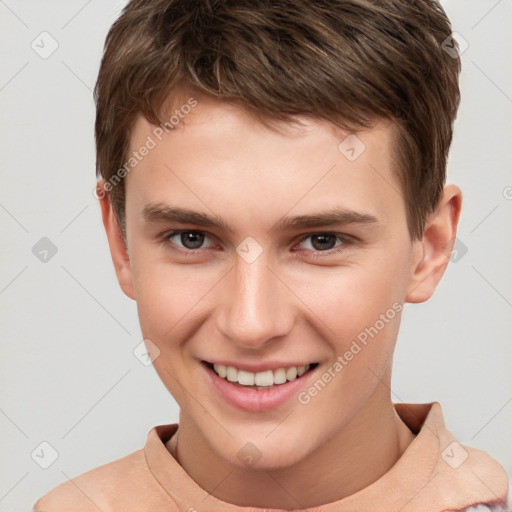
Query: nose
point(257, 307)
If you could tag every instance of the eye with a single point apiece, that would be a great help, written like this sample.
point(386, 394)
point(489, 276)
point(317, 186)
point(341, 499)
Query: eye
point(191, 240)
point(325, 242)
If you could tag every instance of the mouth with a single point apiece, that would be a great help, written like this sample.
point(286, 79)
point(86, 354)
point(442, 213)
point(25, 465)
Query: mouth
point(262, 380)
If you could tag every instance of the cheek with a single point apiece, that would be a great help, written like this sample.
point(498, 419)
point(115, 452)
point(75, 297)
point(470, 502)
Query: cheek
point(167, 295)
point(362, 309)
point(170, 304)
point(356, 297)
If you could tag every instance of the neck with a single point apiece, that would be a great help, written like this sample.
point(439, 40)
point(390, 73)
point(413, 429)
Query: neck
point(359, 454)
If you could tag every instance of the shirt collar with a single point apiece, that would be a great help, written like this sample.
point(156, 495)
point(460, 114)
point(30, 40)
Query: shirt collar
point(427, 476)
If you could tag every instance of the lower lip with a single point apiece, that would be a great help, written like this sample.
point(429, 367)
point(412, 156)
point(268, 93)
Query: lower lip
point(254, 400)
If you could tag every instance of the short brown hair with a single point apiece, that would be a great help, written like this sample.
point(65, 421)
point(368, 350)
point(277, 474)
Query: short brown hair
point(350, 62)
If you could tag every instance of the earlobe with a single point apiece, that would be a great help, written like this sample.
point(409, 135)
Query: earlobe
point(435, 247)
point(116, 242)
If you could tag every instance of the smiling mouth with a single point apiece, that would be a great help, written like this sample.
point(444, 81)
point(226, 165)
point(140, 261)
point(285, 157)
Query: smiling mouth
point(263, 380)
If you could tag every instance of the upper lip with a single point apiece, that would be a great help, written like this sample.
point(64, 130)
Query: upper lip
point(259, 367)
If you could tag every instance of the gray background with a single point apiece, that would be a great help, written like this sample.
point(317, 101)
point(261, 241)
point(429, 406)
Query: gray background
point(68, 375)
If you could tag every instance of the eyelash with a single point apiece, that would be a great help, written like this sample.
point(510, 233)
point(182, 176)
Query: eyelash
point(345, 241)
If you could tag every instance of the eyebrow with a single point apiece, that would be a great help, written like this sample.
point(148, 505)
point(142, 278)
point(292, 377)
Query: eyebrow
point(159, 212)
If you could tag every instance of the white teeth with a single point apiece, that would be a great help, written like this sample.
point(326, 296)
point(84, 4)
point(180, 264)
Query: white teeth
point(232, 374)
point(279, 376)
point(245, 378)
point(220, 369)
point(266, 378)
point(291, 373)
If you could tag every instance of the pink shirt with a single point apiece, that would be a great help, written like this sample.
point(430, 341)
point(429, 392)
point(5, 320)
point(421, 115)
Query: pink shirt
point(435, 473)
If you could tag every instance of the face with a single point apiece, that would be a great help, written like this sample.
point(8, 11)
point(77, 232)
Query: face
point(266, 250)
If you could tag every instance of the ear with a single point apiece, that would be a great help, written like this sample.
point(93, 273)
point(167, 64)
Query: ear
point(435, 247)
point(116, 242)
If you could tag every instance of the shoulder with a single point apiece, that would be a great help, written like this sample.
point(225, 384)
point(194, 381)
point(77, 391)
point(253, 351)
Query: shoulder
point(473, 473)
point(481, 508)
point(116, 485)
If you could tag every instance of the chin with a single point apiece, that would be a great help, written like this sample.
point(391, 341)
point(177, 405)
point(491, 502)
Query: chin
point(264, 452)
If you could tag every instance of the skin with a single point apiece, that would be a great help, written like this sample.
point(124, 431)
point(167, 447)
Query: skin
point(286, 305)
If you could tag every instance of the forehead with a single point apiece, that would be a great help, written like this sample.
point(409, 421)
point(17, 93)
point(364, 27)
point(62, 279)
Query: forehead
point(211, 152)
point(185, 108)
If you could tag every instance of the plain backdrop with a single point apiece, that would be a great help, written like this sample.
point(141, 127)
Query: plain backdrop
point(68, 375)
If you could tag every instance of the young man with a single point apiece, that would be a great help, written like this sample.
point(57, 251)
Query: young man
point(272, 189)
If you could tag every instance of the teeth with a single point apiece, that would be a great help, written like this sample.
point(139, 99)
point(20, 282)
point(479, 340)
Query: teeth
point(246, 378)
point(291, 373)
point(280, 376)
point(232, 374)
point(266, 378)
point(221, 370)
